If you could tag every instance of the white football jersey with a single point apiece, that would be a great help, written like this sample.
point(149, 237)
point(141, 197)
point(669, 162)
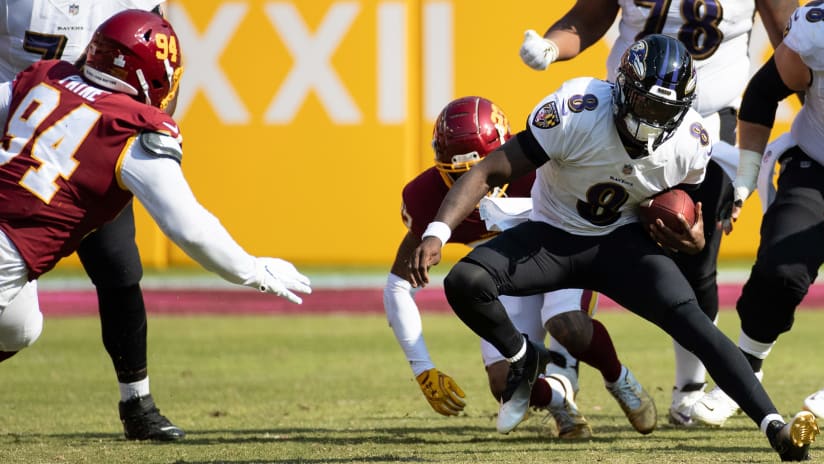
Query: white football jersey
point(715, 32)
point(31, 30)
point(590, 185)
point(806, 37)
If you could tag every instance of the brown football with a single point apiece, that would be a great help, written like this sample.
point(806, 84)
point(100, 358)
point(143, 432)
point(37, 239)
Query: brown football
point(666, 206)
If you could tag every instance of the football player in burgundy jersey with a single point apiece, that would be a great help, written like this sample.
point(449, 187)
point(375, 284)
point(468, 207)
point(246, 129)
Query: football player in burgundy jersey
point(465, 131)
point(598, 150)
point(792, 229)
point(717, 35)
point(79, 143)
point(44, 29)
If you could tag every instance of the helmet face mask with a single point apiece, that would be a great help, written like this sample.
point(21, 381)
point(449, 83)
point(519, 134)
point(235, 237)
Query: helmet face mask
point(136, 52)
point(654, 88)
point(466, 130)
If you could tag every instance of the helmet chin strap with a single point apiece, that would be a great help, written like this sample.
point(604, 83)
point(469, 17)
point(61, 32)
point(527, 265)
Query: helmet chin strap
point(650, 141)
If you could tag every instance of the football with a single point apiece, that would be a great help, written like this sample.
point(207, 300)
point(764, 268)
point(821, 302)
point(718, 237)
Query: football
point(666, 206)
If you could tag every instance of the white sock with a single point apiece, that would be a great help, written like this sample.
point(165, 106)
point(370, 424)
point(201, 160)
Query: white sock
point(769, 418)
point(755, 348)
point(688, 368)
point(134, 389)
point(520, 354)
point(558, 392)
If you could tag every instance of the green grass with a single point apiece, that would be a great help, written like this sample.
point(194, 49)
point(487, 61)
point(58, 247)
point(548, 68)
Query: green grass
point(336, 389)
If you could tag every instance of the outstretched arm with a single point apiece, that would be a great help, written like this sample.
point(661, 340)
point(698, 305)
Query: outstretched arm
point(158, 183)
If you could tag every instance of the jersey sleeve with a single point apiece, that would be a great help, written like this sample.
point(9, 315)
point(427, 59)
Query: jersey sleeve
point(805, 35)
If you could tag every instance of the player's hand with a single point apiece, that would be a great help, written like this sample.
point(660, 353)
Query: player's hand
point(427, 254)
point(730, 211)
point(537, 52)
point(688, 239)
point(443, 394)
point(280, 278)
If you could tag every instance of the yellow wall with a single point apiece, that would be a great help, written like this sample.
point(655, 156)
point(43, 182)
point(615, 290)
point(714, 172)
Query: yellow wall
point(302, 120)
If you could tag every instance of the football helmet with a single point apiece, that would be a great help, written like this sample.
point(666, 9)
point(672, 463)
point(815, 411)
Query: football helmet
point(138, 53)
point(467, 130)
point(654, 88)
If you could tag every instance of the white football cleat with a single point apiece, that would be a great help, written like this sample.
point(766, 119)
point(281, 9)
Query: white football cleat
point(683, 399)
point(716, 406)
point(520, 378)
point(571, 423)
point(815, 403)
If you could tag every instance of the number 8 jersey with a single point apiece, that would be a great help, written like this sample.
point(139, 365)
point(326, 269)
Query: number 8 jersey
point(715, 32)
point(588, 184)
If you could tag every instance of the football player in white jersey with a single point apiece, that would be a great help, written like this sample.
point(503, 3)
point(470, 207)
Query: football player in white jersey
point(789, 254)
point(716, 33)
point(31, 30)
point(599, 149)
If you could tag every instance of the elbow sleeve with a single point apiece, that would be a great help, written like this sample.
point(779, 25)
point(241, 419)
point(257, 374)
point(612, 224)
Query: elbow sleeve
point(762, 95)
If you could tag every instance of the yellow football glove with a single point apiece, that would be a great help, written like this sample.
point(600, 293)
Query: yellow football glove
point(443, 394)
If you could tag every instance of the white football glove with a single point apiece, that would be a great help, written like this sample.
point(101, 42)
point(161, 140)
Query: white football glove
point(538, 52)
point(280, 277)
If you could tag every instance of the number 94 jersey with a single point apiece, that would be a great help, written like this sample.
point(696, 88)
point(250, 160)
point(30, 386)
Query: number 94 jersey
point(715, 32)
point(589, 185)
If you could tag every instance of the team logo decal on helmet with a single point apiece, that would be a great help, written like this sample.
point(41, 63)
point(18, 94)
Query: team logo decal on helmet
point(654, 88)
point(547, 116)
point(467, 130)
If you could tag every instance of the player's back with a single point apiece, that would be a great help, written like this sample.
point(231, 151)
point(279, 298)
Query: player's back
point(61, 151)
point(31, 30)
point(716, 35)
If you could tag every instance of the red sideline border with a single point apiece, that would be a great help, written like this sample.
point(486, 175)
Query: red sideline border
point(322, 301)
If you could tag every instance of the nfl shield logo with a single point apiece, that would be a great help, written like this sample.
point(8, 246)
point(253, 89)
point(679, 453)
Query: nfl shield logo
point(74, 9)
point(627, 169)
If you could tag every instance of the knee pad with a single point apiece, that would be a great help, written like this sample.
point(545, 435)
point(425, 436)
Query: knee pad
point(19, 332)
point(468, 283)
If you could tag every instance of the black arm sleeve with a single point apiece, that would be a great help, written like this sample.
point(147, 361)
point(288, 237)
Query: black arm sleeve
point(532, 149)
point(762, 95)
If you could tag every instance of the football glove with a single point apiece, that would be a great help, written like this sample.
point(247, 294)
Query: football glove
point(537, 52)
point(443, 394)
point(280, 277)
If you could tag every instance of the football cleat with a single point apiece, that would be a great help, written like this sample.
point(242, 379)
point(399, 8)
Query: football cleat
point(815, 403)
point(142, 421)
point(636, 403)
point(792, 440)
point(522, 375)
point(716, 406)
point(571, 423)
point(683, 399)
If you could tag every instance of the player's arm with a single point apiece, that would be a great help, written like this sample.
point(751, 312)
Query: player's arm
point(583, 25)
point(775, 14)
point(150, 169)
point(440, 390)
point(508, 162)
point(782, 75)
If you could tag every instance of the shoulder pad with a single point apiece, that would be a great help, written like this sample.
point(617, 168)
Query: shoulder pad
point(161, 145)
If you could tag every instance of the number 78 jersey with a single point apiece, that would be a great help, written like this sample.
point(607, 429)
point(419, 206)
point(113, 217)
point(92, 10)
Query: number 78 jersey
point(590, 185)
point(715, 32)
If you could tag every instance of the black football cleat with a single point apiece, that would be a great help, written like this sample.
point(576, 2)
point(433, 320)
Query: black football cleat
point(142, 421)
point(792, 440)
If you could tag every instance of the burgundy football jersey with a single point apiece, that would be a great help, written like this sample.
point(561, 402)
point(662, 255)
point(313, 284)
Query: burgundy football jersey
point(423, 196)
point(60, 152)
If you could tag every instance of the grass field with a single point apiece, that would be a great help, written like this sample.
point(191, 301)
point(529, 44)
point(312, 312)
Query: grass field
point(336, 389)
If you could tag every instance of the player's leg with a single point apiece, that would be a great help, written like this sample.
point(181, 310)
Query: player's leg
point(658, 292)
point(588, 340)
point(111, 259)
point(552, 392)
point(557, 302)
point(21, 321)
point(701, 272)
point(472, 289)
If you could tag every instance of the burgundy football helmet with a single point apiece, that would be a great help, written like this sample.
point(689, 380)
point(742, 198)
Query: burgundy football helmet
point(138, 53)
point(467, 130)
